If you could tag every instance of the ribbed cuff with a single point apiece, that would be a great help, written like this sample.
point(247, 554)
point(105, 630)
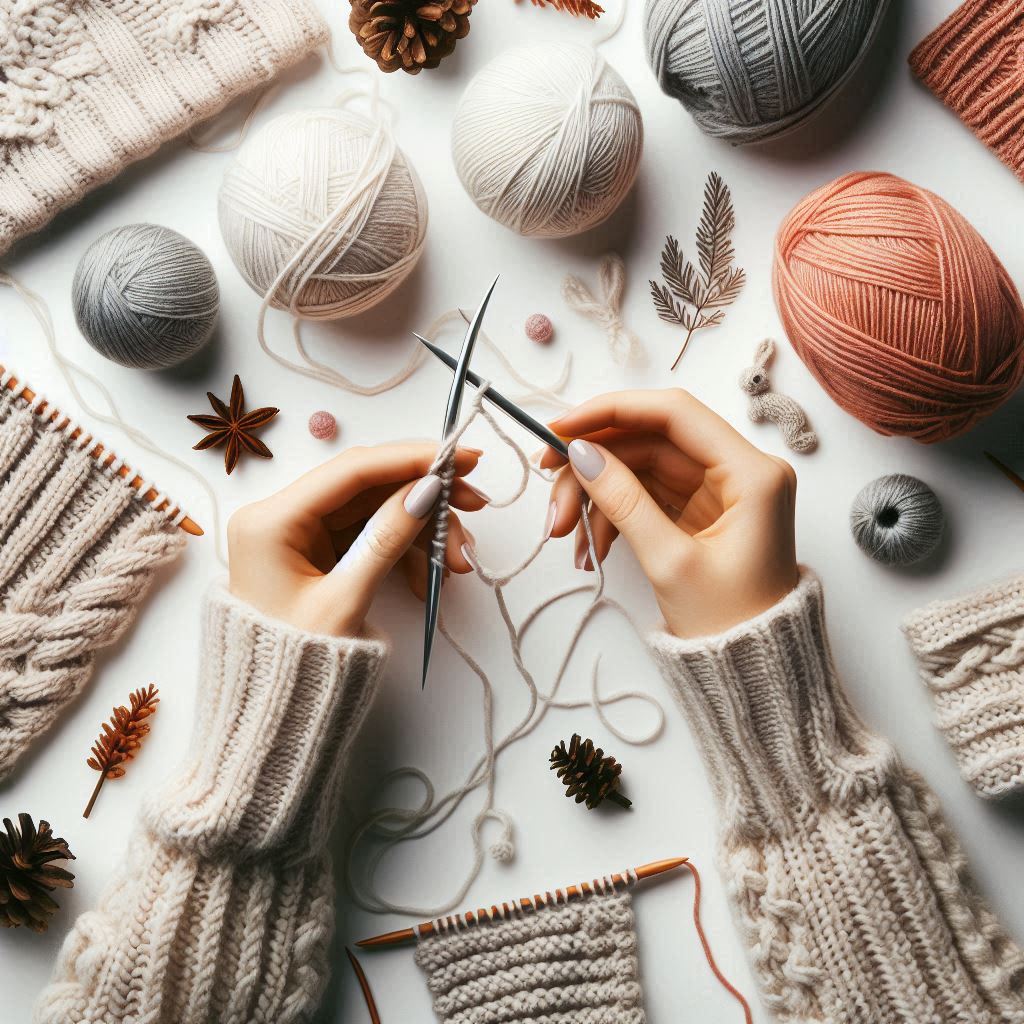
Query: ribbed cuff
point(971, 653)
point(778, 734)
point(277, 712)
point(974, 63)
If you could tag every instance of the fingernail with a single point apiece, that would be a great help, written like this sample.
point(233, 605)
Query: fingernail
point(473, 451)
point(476, 490)
point(549, 523)
point(585, 459)
point(423, 497)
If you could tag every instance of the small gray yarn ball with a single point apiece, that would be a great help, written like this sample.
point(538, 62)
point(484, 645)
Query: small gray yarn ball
point(897, 520)
point(749, 70)
point(145, 297)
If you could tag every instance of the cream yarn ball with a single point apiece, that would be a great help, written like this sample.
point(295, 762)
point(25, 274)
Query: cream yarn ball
point(322, 213)
point(749, 70)
point(547, 139)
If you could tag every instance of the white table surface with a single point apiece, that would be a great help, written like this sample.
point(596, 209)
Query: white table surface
point(883, 121)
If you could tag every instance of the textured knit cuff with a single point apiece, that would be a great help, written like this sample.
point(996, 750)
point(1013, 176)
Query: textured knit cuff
point(86, 88)
point(971, 652)
point(277, 712)
point(78, 549)
point(776, 730)
point(974, 63)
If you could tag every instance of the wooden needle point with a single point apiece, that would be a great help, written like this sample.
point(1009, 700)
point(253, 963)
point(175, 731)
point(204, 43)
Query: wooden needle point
point(97, 451)
point(1010, 475)
point(470, 917)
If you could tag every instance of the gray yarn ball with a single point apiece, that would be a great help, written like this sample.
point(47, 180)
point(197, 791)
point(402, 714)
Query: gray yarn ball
point(897, 520)
point(145, 297)
point(752, 69)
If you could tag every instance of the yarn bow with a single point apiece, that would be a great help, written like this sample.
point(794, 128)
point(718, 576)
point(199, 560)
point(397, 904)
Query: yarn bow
point(626, 347)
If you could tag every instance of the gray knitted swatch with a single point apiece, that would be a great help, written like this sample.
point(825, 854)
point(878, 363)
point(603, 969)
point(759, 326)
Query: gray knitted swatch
point(78, 548)
point(572, 963)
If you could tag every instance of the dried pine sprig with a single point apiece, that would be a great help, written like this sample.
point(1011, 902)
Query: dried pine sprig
point(694, 300)
point(579, 8)
point(121, 738)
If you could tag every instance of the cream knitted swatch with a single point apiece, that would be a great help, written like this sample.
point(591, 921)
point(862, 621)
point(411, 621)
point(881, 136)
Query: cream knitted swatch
point(571, 963)
point(852, 893)
point(971, 651)
point(78, 549)
point(89, 86)
point(224, 909)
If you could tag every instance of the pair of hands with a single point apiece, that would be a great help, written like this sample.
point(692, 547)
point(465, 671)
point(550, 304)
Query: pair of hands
point(709, 517)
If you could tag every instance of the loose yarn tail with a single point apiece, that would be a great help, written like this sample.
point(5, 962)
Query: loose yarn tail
point(36, 305)
point(626, 347)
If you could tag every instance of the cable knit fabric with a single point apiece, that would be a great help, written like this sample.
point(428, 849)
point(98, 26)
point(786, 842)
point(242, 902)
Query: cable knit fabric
point(572, 963)
point(88, 86)
point(851, 892)
point(971, 652)
point(974, 63)
point(224, 910)
point(78, 550)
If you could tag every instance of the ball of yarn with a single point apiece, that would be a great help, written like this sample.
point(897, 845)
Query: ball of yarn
point(322, 213)
point(898, 307)
point(145, 297)
point(547, 139)
point(539, 328)
point(897, 520)
point(748, 70)
point(323, 426)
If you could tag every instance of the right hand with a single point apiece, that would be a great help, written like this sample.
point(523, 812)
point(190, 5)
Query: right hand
point(709, 516)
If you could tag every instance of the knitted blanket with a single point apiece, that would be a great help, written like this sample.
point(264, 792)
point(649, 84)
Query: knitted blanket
point(78, 549)
point(89, 86)
point(570, 963)
point(971, 652)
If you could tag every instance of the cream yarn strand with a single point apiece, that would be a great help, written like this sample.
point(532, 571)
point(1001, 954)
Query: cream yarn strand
point(626, 347)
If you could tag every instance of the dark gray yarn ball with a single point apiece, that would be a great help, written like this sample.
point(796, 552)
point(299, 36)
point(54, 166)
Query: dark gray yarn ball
point(897, 520)
point(145, 297)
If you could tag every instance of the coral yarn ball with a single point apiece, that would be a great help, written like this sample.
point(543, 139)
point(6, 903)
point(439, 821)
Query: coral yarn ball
point(323, 426)
point(539, 328)
point(547, 139)
point(898, 307)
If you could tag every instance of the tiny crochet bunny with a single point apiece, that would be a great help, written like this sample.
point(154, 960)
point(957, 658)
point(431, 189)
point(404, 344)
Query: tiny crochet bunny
point(781, 410)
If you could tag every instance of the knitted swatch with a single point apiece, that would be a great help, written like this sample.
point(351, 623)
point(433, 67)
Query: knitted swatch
point(563, 964)
point(971, 651)
point(88, 86)
point(974, 63)
point(78, 549)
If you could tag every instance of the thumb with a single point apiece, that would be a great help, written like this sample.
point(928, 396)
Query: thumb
point(626, 503)
point(385, 538)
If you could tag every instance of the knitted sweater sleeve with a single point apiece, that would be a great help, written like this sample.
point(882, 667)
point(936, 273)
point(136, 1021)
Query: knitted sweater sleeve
point(224, 909)
point(852, 893)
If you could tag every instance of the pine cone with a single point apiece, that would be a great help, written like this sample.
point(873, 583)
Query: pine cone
point(409, 34)
point(27, 875)
point(587, 774)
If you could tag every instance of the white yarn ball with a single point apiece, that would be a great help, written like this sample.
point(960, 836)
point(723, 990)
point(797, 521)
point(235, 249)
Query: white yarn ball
point(547, 139)
point(322, 208)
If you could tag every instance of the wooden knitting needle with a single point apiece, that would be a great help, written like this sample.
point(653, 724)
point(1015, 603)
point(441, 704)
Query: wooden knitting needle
point(364, 984)
point(1006, 471)
point(536, 903)
point(97, 452)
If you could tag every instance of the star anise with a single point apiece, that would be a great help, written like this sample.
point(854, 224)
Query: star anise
point(233, 427)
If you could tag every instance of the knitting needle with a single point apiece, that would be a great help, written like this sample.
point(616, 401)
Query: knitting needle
point(536, 903)
point(506, 405)
point(189, 526)
point(364, 984)
point(1006, 471)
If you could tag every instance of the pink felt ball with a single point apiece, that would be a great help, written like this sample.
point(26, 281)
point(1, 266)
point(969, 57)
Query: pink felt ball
point(539, 328)
point(323, 426)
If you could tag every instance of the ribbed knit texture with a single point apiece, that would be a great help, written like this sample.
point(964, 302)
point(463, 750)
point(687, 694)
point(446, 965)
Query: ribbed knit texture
point(78, 550)
point(971, 651)
point(574, 963)
point(224, 909)
point(974, 63)
point(88, 86)
point(851, 892)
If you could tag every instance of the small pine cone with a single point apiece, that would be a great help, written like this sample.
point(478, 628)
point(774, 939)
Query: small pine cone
point(588, 776)
point(409, 34)
point(27, 874)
